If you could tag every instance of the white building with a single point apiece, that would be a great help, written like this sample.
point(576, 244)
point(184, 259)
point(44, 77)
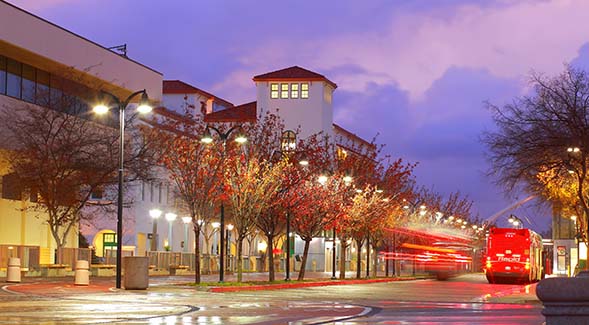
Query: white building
point(303, 100)
point(35, 53)
point(38, 55)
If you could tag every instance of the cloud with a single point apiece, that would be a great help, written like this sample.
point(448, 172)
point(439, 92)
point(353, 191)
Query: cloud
point(582, 59)
point(418, 47)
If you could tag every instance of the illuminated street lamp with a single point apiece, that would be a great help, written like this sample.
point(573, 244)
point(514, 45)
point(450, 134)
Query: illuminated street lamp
point(228, 241)
point(170, 217)
point(515, 221)
point(155, 215)
point(224, 136)
point(573, 149)
point(216, 226)
point(322, 179)
point(103, 108)
point(288, 145)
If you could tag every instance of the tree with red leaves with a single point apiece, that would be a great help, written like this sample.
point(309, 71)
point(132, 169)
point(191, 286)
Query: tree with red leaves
point(60, 156)
point(195, 168)
point(249, 186)
point(318, 209)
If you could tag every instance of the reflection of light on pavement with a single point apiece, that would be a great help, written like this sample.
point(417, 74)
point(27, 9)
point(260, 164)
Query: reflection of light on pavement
point(170, 320)
point(186, 320)
point(527, 289)
point(209, 320)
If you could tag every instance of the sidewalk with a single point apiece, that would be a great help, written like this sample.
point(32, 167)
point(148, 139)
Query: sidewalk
point(44, 286)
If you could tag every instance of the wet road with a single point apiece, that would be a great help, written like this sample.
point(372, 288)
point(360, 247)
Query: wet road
point(464, 300)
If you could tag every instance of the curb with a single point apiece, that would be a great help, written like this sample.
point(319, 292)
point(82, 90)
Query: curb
point(304, 285)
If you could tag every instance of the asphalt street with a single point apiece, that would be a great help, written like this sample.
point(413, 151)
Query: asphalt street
point(170, 300)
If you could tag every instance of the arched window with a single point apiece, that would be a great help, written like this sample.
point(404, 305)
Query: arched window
point(288, 141)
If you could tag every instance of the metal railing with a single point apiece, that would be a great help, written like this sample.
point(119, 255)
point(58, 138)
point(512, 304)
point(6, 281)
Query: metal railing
point(69, 256)
point(110, 256)
point(29, 256)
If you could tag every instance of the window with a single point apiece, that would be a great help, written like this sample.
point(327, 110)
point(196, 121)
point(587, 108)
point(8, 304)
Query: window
point(283, 90)
point(97, 194)
point(288, 141)
point(11, 187)
point(341, 153)
point(294, 91)
point(42, 94)
point(33, 85)
point(168, 195)
point(2, 75)
point(28, 83)
point(159, 190)
point(151, 192)
point(305, 90)
point(273, 90)
point(56, 95)
point(142, 190)
point(13, 79)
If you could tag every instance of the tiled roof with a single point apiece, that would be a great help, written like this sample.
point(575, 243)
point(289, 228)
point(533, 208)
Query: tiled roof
point(351, 135)
point(242, 113)
point(294, 73)
point(180, 87)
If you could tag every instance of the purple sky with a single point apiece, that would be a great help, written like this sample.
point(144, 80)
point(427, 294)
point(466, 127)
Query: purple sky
point(417, 72)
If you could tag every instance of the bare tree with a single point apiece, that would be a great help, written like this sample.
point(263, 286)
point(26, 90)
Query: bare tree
point(541, 144)
point(60, 156)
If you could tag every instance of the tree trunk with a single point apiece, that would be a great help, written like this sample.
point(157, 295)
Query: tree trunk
point(271, 275)
point(59, 242)
point(196, 256)
point(59, 253)
point(373, 260)
point(342, 260)
point(304, 261)
point(239, 258)
point(368, 258)
point(359, 260)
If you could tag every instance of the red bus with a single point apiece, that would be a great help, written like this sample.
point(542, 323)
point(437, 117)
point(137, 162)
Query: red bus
point(513, 255)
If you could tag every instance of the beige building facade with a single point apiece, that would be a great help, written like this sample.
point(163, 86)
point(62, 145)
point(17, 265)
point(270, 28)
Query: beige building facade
point(37, 55)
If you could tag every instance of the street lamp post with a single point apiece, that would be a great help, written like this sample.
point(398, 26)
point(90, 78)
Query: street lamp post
point(102, 108)
point(515, 221)
point(207, 138)
point(287, 278)
point(215, 246)
point(289, 149)
point(186, 221)
point(333, 264)
point(367, 256)
point(170, 217)
point(227, 247)
point(155, 215)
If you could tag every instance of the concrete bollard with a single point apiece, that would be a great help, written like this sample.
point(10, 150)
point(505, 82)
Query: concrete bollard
point(13, 272)
point(565, 300)
point(136, 272)
point(82, 273)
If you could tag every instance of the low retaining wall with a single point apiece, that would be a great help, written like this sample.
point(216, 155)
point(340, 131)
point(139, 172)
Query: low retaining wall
point(565, 300)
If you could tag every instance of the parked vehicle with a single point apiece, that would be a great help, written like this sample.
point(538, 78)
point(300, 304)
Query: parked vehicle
point(513, 255)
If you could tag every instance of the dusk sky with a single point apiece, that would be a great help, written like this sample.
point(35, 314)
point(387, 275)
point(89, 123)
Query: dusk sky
point(416, 72)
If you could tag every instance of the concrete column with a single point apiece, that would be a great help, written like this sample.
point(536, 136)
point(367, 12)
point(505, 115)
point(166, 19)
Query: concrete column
point(13, 272)
point(565, 300)
point(82, 273)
